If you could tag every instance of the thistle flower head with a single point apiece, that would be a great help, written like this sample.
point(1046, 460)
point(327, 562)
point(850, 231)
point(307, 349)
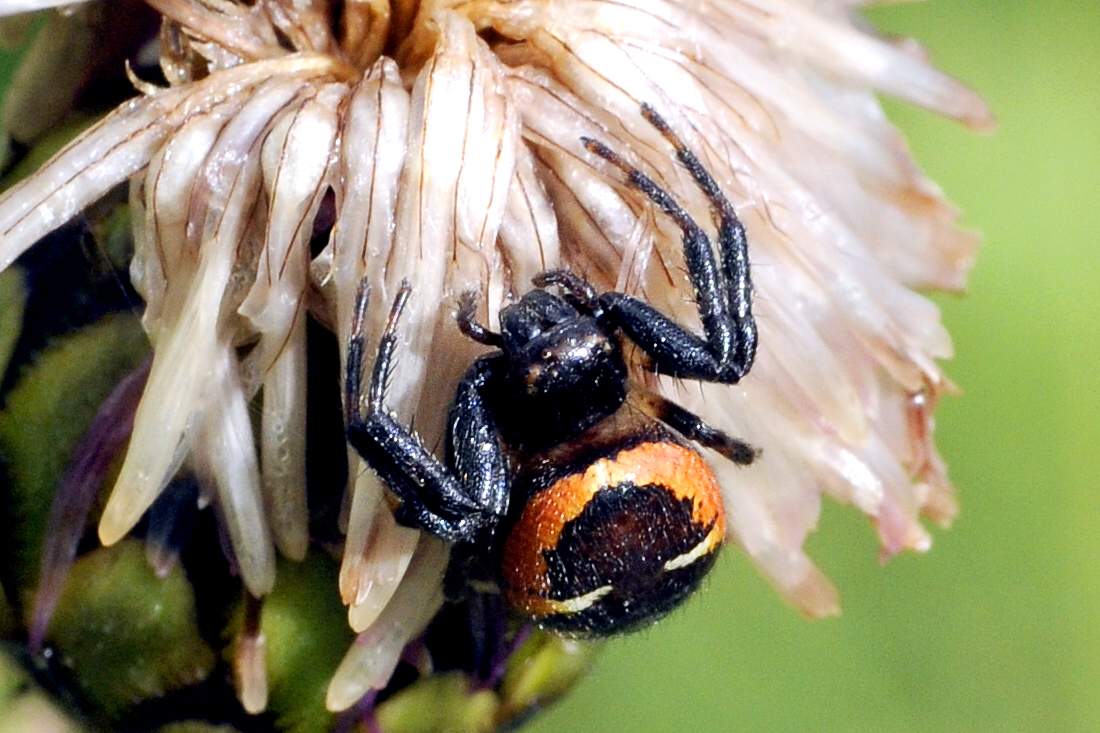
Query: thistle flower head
point(304, 145)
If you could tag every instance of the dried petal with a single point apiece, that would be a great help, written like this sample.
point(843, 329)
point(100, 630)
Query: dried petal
point(92, 458)
point(375, 653)
point(179, 379)
point(529, 229)
point(250, 660)
point(239, 29)
point(366, 25)
point(469, 136)
point(381, 569)
point(225, 453)
point(115, 148)
point(296, 163)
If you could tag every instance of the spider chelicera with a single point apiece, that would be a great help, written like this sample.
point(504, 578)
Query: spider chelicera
point(578, 491)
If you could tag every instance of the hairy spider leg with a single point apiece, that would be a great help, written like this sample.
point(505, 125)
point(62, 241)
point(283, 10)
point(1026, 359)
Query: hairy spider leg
point(580, 292)
point(733, 243)
point(723, 296)
point(475, 451)
point(468, 324)
point(454, 505)
point(693, 427)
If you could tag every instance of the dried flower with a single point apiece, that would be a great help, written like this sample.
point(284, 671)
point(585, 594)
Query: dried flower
point(455, 160)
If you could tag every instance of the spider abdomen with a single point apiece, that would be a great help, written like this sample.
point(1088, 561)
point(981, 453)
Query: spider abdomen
point(617, 542)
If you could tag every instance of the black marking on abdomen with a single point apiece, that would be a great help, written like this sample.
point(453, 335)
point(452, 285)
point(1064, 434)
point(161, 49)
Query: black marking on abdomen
point(623, 539)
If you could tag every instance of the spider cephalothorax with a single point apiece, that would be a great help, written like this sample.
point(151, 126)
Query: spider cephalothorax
point(580, 490)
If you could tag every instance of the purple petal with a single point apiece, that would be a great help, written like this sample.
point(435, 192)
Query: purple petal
point(504, 654)
point(91, 460)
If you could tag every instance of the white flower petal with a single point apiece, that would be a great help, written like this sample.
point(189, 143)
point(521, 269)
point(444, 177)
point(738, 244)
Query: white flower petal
point(163, 244)
point(377, 551)
point(835, 46)
point(473, 131)
point(117, 147)
point(85, 170)
point(375, 653)
point(225, 453)
point(179, 376)
point(250, 673)
point(283, 444)
point(477, 168)
point(385, 561)
point(295, 158)
point(529, 229)
point(243, 30)
point(601, 231)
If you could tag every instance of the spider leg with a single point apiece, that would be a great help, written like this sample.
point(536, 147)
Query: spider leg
point(353, 373)
point(467, 321)
point(723, 294)
point(579, 290)
point(454, 505)
point(693, 427)
point(475, 452)
point(732, 240)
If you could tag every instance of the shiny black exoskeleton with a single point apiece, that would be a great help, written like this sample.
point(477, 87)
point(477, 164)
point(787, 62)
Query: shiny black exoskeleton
point(549, 391)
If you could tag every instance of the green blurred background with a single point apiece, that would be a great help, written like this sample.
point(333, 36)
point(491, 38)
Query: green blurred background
point(998, 627)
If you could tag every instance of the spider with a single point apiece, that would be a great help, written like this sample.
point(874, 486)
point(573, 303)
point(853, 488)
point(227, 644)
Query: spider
point(578, 491)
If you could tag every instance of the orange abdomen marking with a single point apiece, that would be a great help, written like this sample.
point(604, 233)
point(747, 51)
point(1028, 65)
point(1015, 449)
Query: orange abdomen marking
point(672, 467)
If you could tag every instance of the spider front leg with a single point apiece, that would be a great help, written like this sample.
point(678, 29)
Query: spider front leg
point(578, 291)
point(455, 501)
point(723, 294)
point(466, 317)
